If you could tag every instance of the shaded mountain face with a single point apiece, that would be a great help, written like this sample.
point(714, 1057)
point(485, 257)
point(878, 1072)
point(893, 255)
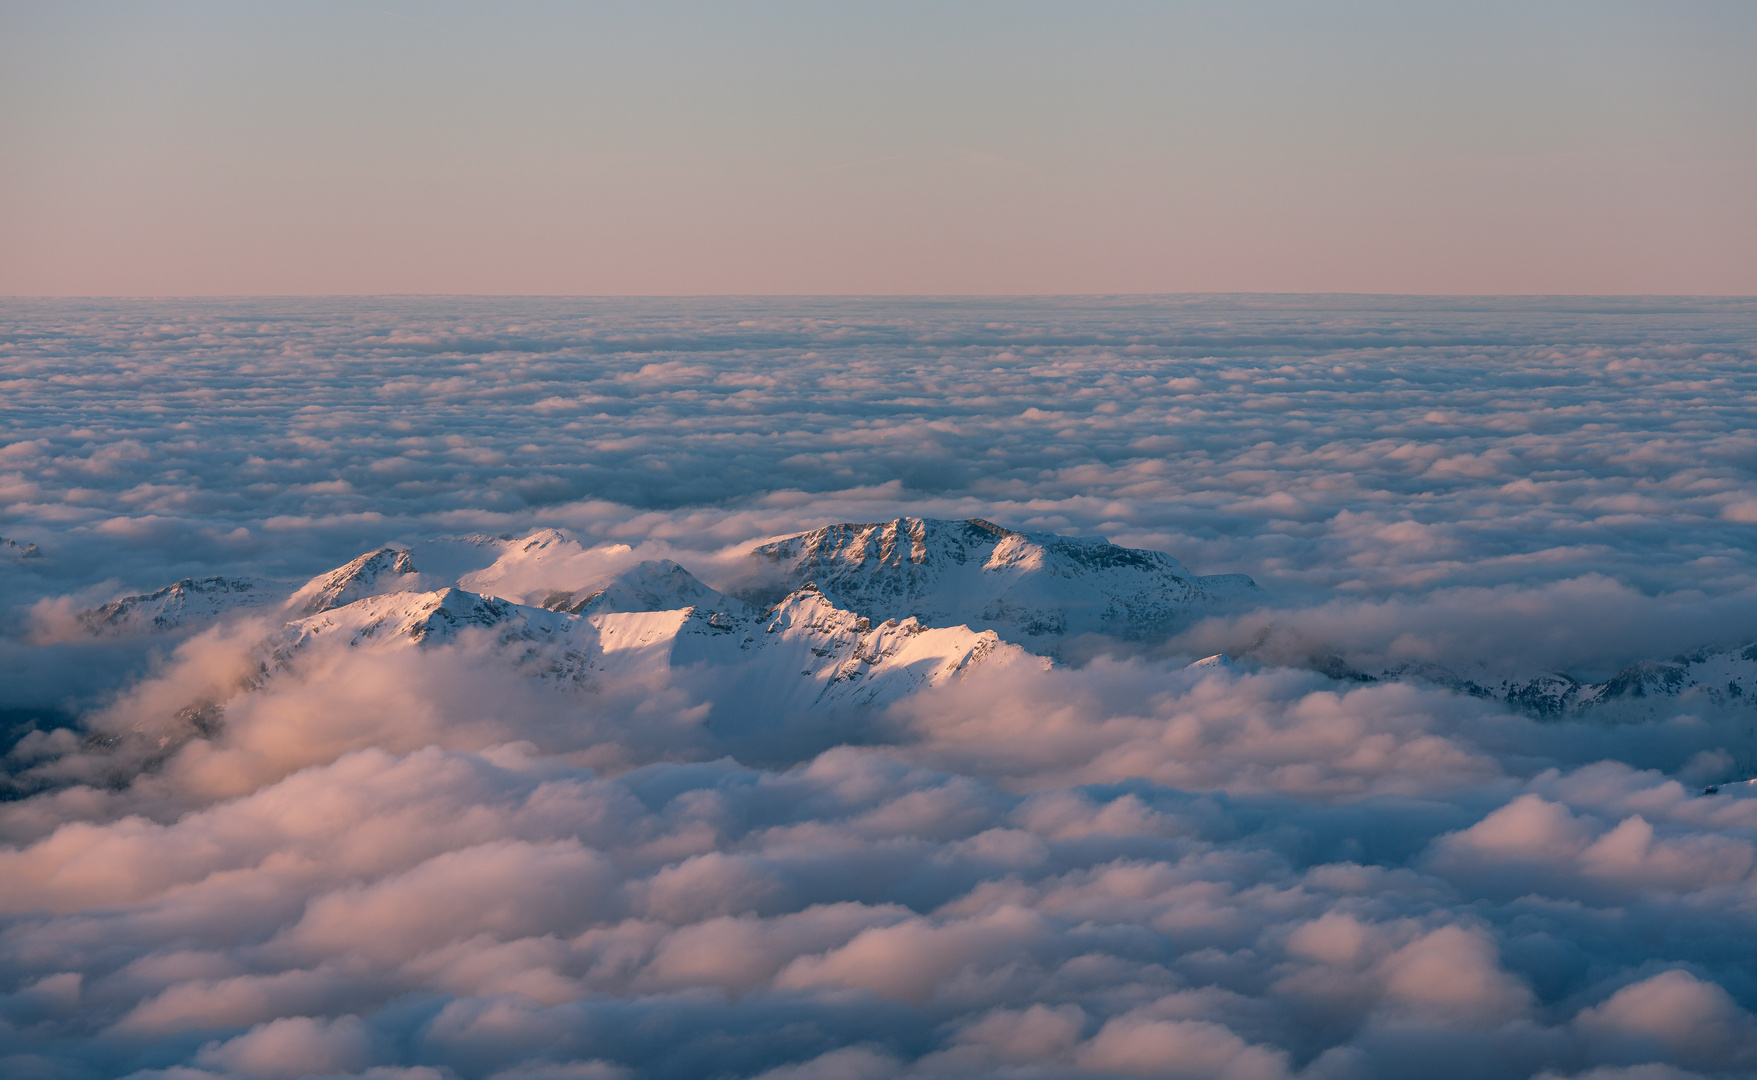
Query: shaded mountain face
point(1032, 588)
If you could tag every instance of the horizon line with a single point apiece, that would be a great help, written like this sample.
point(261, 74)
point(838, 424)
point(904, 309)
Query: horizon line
point(872, 296)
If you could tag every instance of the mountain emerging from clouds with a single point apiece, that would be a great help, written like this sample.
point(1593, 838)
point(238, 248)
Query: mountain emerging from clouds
point(1033, 590)
point(841, 617)
point(853, 614)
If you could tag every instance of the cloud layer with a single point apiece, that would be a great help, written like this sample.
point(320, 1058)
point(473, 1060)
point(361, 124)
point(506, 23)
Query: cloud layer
point(424, 865)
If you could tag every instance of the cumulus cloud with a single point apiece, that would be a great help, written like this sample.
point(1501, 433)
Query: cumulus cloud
point(422, 864)
point(867, 912)
point(1673, 1014)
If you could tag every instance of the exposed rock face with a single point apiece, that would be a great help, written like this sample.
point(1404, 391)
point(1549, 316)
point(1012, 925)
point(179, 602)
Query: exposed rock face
point(14, 550)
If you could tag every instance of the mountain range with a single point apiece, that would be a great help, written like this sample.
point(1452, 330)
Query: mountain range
point(1714, 677)
point(848, 615)
point(844, 615)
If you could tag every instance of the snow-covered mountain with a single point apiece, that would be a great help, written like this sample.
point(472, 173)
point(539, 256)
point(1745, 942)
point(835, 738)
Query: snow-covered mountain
point(846, 615)
point(1033, 589)
point(1036, 589)
point(386, 570)
point(521, 569)
point(1716, 677)
point(189, 602)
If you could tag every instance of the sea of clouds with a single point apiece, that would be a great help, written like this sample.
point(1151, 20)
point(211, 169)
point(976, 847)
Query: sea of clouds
point(425, 865)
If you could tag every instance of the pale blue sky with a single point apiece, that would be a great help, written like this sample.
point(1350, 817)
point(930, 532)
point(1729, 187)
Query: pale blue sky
point(177, 148)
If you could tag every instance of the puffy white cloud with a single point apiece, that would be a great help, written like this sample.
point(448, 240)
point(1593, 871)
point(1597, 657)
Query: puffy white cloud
point(1533, 843)
point(1137, 1045)
point(1673, 1014)
point(1201, 729)
point(290, 1048)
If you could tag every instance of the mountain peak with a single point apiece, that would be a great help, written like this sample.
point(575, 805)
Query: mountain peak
point(368, 575)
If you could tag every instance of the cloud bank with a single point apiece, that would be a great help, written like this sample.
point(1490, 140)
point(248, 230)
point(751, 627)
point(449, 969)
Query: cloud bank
point(424, 864)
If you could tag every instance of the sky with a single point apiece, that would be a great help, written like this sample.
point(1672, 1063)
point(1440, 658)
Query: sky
point(691, 148)
point(238, 851)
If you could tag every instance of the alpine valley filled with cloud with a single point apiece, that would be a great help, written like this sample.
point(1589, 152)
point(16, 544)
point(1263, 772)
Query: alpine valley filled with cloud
point(1231, 687)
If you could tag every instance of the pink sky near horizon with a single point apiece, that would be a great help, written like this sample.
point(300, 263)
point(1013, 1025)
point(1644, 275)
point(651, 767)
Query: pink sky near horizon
point(688, 148)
